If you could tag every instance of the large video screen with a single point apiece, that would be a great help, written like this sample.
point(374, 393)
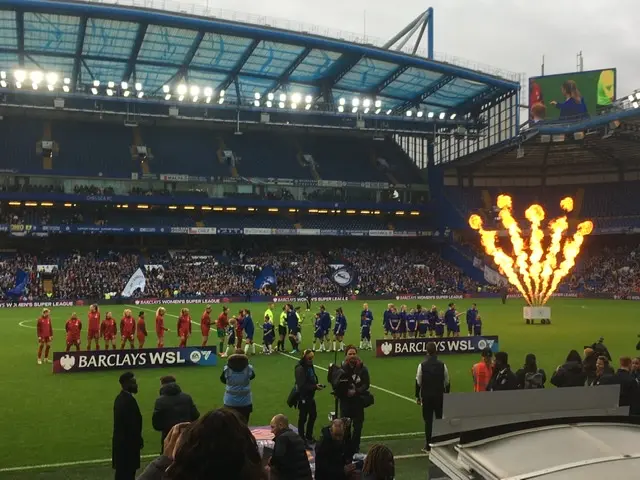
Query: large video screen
point(571, 95)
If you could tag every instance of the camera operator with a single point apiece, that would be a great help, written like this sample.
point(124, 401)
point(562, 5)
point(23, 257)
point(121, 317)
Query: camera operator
point(353, 393)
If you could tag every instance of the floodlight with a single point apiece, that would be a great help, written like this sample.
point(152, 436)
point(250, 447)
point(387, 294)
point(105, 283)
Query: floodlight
point(409, 113)
point(269, 103)
point(637, 95)
point(208, 92)
point(195, 90)
point(452, 117)
point(366, 103)
point(283, 97)
point(378, 103)
point(167, 96)
point(222, 93)
point(194, 99)
point(67, 81)
point(366, 110)
point(271, 96)
point(631, 98)
point(18, 84)
point(420, 114)
point(389, 112)
point(126, 93)
point(140, 94)
point(181, 98)
point(378, 110)
point(307, 106)
point(207, 100)
point(341, 108)
point(355, 102)
point(256, 95)
point(296, 97)
point(36, 76)
point(342, 101)
point(354, 110)
point(3, 83)
point(52, 78)
point(182, 89)
point(256, 103)
point(109, 92)
point(3, 75)
point(165, 88)
point(65, 88)
point(281, 104)
point(138, 86)
point(308, 99)
point(34, 85)
point(294, 105)
point(430, 114)
point(94, 90)
point(125, 86)
point(221, 100)
point(442, 115)
point(20, 76)
point(111, 85)
point(96, 83)
point(635, 104)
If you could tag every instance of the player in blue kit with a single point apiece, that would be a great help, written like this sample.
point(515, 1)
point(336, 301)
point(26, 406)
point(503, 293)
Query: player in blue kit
point(385, 320)
point(394, 323)
point(412, 323)
point(268, 336)
point(249, 331)
point(452, 321)
point(422, 319)
point(438, 328)
point(365, 328)
point(339, 329)
point(318, 334)
point(472, 314)
point(477, 326)
point(325, 322)
point(366, 313)
point(432, 320)
point(231, 336)
point(402, 329)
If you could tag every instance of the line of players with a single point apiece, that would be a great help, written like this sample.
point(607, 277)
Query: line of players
point(403, 323)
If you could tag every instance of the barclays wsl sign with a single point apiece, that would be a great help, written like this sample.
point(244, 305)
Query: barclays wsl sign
point(452, 345)
point(76, 362)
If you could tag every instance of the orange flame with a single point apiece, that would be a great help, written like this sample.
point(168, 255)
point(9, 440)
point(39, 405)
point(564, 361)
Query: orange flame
point(536, 279)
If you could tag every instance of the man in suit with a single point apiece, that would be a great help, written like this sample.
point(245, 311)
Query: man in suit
point(127, 430)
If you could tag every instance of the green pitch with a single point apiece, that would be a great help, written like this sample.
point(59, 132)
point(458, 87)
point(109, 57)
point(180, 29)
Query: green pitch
point(52, 419)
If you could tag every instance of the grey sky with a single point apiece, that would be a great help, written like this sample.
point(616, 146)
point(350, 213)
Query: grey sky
point(509, 34)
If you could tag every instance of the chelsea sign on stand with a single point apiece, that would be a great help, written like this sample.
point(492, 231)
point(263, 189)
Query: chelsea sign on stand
point(76, 362)
point(451, 345)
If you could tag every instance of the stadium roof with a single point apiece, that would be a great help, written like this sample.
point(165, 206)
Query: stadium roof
point(89, 42)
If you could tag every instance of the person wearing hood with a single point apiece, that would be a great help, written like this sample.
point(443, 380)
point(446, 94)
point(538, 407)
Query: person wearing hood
point(571, 373)
point(237, 375)
point(356, 395)
point(172, 407)
point(333, 461)
point(503, 378)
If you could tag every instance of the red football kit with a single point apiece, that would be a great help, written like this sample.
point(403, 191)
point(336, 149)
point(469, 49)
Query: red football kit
point(223, 321)
point(142, 329)
point(108, 329)
point(94, 326)
point(127, 327)
point(184, 325)
point(205, 324)
point(239, 330)
point(45, 330)
point(73, 328)
point(160, 326)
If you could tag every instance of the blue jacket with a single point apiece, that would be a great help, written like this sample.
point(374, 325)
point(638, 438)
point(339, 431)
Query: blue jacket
point(249, 327)
point(237, 375)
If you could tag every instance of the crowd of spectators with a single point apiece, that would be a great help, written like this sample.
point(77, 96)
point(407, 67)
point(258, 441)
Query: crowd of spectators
point(92, 190)
point(611, 270)
point(27, 188)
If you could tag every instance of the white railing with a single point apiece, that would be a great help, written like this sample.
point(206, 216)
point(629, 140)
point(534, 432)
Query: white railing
point(203, 9)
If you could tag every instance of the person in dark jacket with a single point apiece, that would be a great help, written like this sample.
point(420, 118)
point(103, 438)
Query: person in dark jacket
point(432, 381)
point(307, 385)
point(157, 468)
point(589, 365)
point(603, 370)
point(333, 461)
point(629, 389)
point(127, 430)
point(237, 375)
point(289, 460)
point(352, 403)
point(530, 376)
point(172, 407)
point(571, 373)
point(503, 378)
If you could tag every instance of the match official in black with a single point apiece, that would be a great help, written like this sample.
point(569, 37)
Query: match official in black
point(432, 382)
point(127, 430)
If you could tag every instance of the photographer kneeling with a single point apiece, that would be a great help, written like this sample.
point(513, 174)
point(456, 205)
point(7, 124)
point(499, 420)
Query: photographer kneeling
point(351, 386)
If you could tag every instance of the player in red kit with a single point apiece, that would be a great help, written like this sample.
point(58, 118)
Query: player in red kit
point(160, 328)
point(141, 330)
point(108, 330)
point(184, 326)
point(205, 325)
point(127, 329)
point(73, 328)
point(239, 328)
point(93, 333)
point(45, 335)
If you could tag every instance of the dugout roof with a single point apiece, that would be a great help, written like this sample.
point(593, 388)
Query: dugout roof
point(90, 41)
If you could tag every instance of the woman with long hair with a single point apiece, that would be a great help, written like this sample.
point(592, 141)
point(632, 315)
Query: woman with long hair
point(571, 373)
point(306, 385)
point(530, 376)
point(573, 106)
point(237, 375)
point(217, 445)
point(379, 464)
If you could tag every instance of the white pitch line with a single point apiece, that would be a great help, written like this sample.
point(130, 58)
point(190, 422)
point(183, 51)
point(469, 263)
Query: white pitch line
point(22, 324)
point(107, 460)
point(412, 400)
